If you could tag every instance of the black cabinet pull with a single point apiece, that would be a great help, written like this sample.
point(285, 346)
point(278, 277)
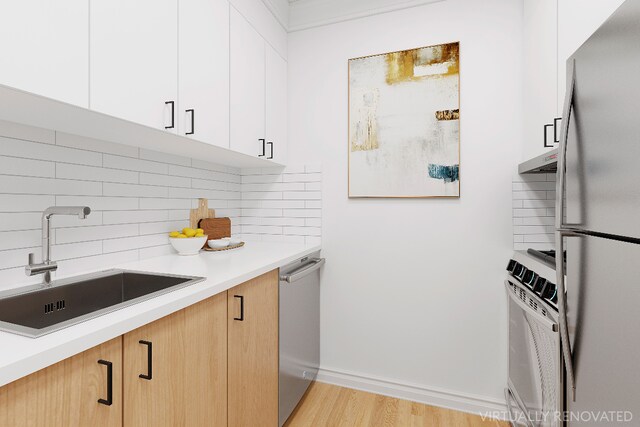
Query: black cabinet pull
point(109, 400)
point(149, 374)
point(193, 127)
point(271, 145)
point(556, 137)
point(263, 147)
point(546, 128)
point(241, 298)
point(173, 113)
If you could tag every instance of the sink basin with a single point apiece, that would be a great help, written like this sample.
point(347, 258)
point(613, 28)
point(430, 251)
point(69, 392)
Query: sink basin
point(39, 311)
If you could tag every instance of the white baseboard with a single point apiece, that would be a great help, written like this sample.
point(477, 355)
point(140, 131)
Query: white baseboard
point(431, 396)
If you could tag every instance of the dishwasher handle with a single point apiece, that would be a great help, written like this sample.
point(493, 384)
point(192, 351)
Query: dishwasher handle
point(313, 265)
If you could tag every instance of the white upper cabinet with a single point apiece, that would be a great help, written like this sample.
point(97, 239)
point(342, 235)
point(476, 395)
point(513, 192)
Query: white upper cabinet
point(276, 106)
point(247, 106)
point(203, 107)
point(263, 21)
point(134, 60)
point(577, 20)
point(540, 74)
point(45, 48)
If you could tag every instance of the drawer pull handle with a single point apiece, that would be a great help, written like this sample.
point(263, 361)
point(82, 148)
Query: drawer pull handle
point(149, 373)
point(109, 400)
point(241, 298)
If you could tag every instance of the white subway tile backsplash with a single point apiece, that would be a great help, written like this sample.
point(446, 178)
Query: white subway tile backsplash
point(25, 203)
point(27, 167)
point(164, 180)
point(99, 203)
point(29, 185)
point(533, 210)
point(20, 221)
point(102, 232)
point(163, 227)
point(159, 203)
point(20, 239)
point(136, 196)
point(134, 217)
point(126, 163)
point(76, 250)
point(135, 242)
point(132, 190)
point(301, 177)
point(92, 173)
point(48, 152)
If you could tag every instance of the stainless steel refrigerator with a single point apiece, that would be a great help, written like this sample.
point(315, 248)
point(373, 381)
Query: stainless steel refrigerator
point(598, 223)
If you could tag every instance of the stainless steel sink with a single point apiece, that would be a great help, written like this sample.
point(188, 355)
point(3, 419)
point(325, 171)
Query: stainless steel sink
point(37, 310)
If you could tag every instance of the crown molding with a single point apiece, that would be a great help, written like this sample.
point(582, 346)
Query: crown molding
point(305, 14)
point(280, 10)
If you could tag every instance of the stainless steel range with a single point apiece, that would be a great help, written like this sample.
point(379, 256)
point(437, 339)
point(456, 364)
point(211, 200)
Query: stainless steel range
point(534, 392)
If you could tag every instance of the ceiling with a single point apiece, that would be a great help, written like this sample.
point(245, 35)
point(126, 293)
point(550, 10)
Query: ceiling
point(296, 15)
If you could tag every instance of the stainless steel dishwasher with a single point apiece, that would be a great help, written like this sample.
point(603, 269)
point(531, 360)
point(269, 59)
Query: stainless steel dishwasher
point(299, 330)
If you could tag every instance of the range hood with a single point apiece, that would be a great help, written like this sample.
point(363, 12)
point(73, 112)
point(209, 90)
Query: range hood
point(544, 163)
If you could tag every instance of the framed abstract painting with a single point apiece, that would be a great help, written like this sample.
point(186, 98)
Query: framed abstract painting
point(404, 123)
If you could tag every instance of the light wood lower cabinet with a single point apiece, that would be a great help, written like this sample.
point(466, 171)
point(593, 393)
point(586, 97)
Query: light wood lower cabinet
point(186, 383)
point(253, 352)
point(66, 394)
point(212, 364)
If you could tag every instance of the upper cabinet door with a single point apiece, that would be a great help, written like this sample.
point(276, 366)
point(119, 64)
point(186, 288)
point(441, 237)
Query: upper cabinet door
point(540, 73)
point(134, 60)
point(45, 48)
point(577, 21)
point(203, 111)
point(247, 80)
point(276, 105)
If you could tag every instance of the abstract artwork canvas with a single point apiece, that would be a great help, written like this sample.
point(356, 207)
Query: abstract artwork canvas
point(404, 123)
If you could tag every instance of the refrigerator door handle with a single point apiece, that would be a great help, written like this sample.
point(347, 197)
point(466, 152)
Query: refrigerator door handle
point(563, 231)
point(562, 309)
point(562, 150)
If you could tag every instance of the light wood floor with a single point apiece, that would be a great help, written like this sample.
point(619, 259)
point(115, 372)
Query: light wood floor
point(333, 406)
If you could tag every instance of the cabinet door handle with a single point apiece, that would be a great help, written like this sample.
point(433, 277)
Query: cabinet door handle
point(270, 144)
point(109, 400)
point(241, 298)
point(193, 127)
point(173, 113)
point(556, 137)
point(263, 147)
point(149, 374)
point(546, 128)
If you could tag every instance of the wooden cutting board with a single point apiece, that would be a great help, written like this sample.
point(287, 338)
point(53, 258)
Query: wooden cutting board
point(216, 228)
point(201, 212)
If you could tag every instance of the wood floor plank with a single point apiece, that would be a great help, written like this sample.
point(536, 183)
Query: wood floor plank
point(326, 405)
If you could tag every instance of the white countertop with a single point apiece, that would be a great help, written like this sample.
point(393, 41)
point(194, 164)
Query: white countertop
point(21, 356)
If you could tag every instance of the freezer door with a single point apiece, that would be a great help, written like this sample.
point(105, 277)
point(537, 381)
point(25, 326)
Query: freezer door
point(603, 145)
point(603, 300)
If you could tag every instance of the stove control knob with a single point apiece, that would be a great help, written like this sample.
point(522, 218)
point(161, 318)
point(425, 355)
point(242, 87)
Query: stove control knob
point(511, 265)
point(539, 285)
point(529, 278)
point(551, 292)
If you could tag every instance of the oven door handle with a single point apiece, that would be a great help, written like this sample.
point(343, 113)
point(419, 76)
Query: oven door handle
point(544, 321)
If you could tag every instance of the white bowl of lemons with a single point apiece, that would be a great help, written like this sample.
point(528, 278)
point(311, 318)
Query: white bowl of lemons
point(189, 241)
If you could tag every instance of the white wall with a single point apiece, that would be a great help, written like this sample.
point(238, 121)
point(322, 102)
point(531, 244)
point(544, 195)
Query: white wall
point(413, 289)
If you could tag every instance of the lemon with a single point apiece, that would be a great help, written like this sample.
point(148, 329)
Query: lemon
point(189, 232)
point(174, 234)
point(181, 236)
point(199, 231)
